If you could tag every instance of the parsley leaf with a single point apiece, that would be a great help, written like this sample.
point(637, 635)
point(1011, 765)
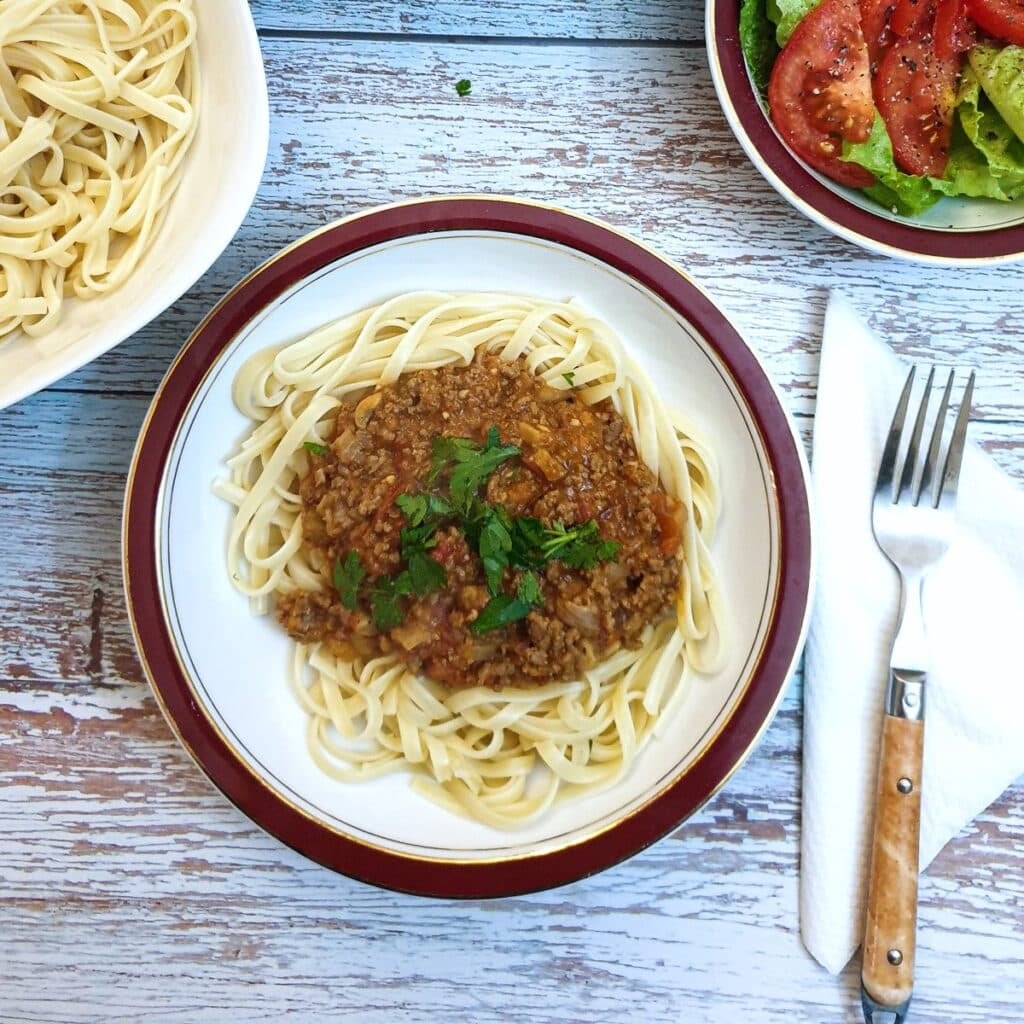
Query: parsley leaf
point(527, 540)
point(528, 590)
point(418, 508)
point(501, 541)
point(471, 473)
point(463, 86)
point(315, 449)
point(470, 464)
point(570, 378)
point(425, 574)
point(579, 547)
point(500, 611)
point(384, 595)
point(504, 609)
point(493, 545)
point(446, 450)
point(418, 538)
point(347, 576)
point(413, 506)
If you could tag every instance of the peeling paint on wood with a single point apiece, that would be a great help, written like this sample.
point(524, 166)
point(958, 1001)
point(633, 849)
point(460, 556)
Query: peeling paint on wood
point(523, 19)
point(130, 890)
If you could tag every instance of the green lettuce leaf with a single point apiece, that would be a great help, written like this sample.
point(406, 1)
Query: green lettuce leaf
point(986, 158)
point(757, 39)
point(1000, 71)
point(787, 14)
point(902, 193)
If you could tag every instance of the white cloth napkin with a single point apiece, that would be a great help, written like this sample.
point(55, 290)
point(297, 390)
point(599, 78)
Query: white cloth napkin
point(974, 614)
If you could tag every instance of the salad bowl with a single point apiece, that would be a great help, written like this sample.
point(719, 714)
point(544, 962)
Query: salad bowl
point(914, 222)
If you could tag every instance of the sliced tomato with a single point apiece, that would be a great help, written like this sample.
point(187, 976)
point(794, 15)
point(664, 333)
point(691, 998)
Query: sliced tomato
point(954, 30)
point(1003, 19)
point(915, 91)
point(965, 31)
point(820, 90)
point(875, 16)
point(908, 16)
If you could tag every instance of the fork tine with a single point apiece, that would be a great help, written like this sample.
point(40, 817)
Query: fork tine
point(910, 470)
point(931, 463)
point(955, 452)
point(887, 468)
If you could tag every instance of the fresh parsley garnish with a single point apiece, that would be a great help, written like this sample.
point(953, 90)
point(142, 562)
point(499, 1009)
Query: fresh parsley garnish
point(416, 539)
point(580, 547)
point(504, 609)
point(384, 594)
point(446, 450)
point(528, 590)
point(470, 464)
point(425, 574)
point(570, 378)
point(347, 577)
point(500, 611)
point(494, 546)
point(315, 449)
point(463, 86)
point(501, 541)
point(527, 542)
point(416, 507)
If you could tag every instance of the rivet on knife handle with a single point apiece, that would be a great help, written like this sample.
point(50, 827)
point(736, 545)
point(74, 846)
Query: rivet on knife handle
point(891, 923)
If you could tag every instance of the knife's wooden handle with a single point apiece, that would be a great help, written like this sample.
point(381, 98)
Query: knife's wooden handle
point(890, 930)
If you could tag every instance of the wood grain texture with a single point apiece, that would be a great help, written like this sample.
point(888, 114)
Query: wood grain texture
point(130, 890)
point(633, 136)
point(529, 20)
point(890, 930)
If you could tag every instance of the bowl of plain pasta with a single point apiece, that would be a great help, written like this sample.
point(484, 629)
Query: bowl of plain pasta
point(467, 546)
point(132, 140)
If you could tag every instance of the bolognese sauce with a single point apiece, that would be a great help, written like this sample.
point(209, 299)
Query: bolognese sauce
point(554, 548)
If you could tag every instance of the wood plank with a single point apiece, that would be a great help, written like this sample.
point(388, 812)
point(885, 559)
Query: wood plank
point(539, 19)
point(611, 132)
point(145, 851)
point(128, 877)
point(142, 843)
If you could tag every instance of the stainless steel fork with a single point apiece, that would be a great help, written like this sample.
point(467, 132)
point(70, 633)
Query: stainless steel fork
point(913, 518)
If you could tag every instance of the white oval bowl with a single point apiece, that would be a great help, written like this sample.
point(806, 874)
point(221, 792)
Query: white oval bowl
point(221, 175)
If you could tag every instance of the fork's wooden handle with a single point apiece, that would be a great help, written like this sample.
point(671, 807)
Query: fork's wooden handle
point(890, 930)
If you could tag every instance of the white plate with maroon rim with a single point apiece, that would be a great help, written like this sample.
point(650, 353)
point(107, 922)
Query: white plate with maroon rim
point(220, 674)
point(955, 232)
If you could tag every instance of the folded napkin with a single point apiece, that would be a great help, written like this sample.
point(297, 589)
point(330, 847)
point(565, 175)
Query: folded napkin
point(974, 614)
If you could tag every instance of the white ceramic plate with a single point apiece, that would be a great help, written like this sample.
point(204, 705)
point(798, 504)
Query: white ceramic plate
point(221, 673)
point(222, 172)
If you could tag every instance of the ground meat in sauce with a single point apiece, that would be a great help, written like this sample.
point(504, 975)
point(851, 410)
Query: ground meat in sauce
point(578, 462)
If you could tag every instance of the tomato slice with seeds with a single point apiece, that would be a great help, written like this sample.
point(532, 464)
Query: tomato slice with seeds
point(820, 90)
point(875, 16)
point(910, 15)
point(1003, 19)
point(954, 31)
point(915, 91)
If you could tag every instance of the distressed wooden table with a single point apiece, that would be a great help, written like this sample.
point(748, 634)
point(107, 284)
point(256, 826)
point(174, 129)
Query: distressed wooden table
point(130, 890)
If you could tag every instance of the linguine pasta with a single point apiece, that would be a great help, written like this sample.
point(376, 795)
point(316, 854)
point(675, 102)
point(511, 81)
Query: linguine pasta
point(97, 111)
point(503, 756)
